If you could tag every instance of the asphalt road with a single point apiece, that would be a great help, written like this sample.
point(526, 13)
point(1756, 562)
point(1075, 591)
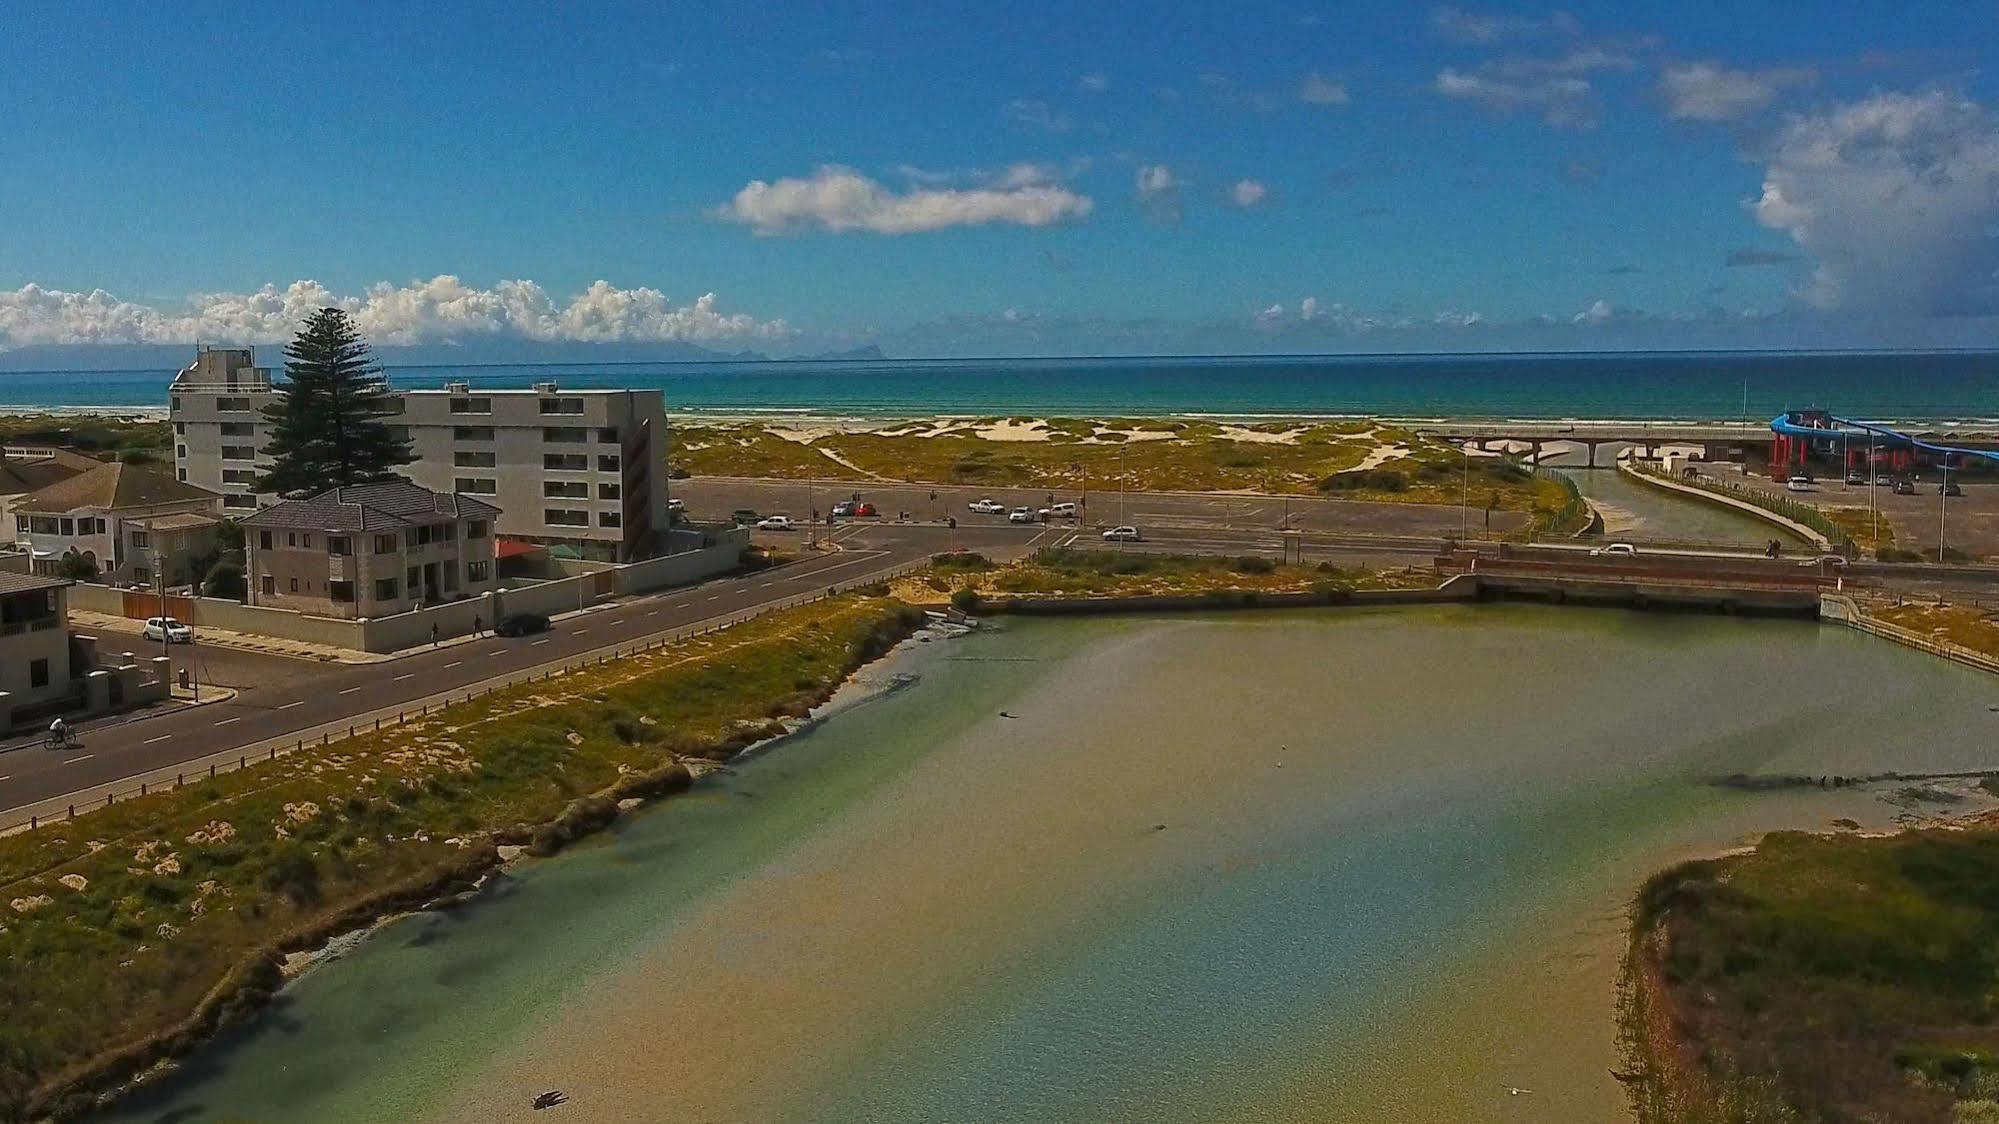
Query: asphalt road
point(117, 749)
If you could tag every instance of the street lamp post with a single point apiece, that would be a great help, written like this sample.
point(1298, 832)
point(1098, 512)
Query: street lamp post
point(1943, 505)
point(1464, 502)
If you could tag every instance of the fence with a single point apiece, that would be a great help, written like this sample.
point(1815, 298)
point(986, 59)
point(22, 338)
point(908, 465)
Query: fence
point(168, 778)
point(1800, 513)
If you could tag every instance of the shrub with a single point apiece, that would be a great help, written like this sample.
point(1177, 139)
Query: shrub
point(293, 875)
point(225, 580)
point(1254, 564)
point(966, 600)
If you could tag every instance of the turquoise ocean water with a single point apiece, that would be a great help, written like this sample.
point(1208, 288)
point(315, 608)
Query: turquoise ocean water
point(1716, 385)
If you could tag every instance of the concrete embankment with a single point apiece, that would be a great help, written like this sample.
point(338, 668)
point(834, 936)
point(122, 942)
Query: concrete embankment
point(1791, 525)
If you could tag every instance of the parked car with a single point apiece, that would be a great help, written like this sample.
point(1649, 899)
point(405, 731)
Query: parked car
point(1856, 478)
point(676, 504)
point(1063, 511)
point(1020, 515)
point(167, 629)
point(1614, 550)
point(1949, 488)
point(1836, 561)
point(1123, 534)
point(743, 516)
point(1905, 487)
point(521, 624)
point(776, 523)
point(843, 509)
point(1798, 484)
point(987, 506)
point(865, 510)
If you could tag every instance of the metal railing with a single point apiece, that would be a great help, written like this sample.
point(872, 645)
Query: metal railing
point(1801, 513)
point(31, 817)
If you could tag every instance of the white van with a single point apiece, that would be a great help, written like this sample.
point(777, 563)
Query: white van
point(1062, 511)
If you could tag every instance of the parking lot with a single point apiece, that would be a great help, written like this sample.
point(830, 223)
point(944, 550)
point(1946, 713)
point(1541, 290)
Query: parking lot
point(1969, 523)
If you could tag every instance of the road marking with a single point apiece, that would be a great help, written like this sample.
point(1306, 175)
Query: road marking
point(453, 663)
point(400, 678)
point(652, 612)
point(538, 643)
point(227, 721)
point(349, 690)
point(765, 585)
point(500, 652)
point(80, 757)
point(289, 705)
point(717, 597)
point(149, 741)
point(578, 631)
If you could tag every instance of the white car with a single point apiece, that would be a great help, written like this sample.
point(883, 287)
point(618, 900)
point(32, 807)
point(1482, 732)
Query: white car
point(676, 504)
point(167, 629)
point(987, 507)
point(1798, 484)
point(1063, 511)
point(1020, 515)
point(1123, 534)
point(776, 523)
point(1614, 550)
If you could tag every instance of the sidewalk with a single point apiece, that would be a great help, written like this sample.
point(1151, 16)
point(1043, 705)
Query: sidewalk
point(88, 622)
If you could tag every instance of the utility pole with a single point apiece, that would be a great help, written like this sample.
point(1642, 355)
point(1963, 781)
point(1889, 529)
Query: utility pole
point(1943, 505)
point(1464, 503)
point(1873, 494)
point(811, 517)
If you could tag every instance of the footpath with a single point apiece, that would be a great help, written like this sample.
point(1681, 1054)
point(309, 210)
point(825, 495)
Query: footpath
point(93, 623)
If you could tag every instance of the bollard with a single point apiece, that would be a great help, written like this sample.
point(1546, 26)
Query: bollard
point(32, 823)
point(211, 770)
point(72, 811)
point(107, 799)
point(244, 762)
point(378, 725)
point(142, 788)
point(325, 737)
point(179, 779)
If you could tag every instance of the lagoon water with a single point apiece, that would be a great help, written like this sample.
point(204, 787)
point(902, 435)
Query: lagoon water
point(1328, 865)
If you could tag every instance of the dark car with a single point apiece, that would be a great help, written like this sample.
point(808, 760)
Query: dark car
point(521, 624)
point(1950, 488)
point(1905, 487)
point(744, 516)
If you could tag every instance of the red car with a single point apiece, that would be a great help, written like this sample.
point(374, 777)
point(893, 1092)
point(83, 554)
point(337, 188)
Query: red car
point(865, 510)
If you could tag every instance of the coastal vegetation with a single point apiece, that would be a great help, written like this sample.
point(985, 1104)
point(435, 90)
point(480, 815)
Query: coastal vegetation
point(971, 580)
point(1819, 978)
point(1968, 626)
point(130, 931)
point(105, 435)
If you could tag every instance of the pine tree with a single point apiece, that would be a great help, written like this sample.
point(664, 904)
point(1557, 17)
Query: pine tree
point(327, 427)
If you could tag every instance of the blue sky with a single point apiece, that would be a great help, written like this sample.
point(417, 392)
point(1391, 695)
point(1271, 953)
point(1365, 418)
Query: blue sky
point(946, 179)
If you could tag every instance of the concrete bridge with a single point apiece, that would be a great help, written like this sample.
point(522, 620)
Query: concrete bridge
point(1716, 440)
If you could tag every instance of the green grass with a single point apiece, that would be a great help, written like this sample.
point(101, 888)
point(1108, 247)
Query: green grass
point(89, 433)
point(1104, 573)
point(1853, 978)
point(172, 904)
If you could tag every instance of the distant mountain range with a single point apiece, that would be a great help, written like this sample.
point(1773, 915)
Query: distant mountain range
point(172, 357)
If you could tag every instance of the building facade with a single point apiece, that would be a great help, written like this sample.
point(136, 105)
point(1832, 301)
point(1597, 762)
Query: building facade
point(35, 658)
point(373, 550)
point(131, 523)
point(582, 472)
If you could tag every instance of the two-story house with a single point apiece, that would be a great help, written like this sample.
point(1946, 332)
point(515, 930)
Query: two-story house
point(372, 550)
point(129, 522)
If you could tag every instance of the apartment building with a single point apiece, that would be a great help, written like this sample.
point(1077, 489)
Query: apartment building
point(131, 523)
point(581, 472)
point(372, 550)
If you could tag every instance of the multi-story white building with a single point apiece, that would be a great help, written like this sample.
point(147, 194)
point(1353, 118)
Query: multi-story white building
point(582, 472)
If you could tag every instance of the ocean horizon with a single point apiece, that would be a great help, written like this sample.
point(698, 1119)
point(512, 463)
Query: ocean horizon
point(1745, 386)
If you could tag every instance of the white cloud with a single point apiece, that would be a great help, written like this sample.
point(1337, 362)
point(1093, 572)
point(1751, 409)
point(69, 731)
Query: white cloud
point(1454, 318)
point(1706, 91)
point(1598, 312)
point(1456, 25)
point(441, 309)
point(1032, 114)
point(1095, 82)
point(1247, 193)
point(1896, 198)
point(841, 199)
point(1308, 309)
point(1317, 89)
point(1561, 102)
point(1270, 315)
point(1156, 179)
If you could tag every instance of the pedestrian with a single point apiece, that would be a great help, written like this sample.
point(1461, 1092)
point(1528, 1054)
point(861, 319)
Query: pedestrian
point(478, 625)
point(433, 634)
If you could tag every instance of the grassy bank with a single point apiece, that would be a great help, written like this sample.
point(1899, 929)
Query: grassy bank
point(97, 434)
point(1057, 572)
point(1820, 978)
point(1968, 626)
point(130, 931)
point(1353, 460)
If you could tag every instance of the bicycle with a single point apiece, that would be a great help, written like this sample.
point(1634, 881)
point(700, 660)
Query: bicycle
point(64, 738)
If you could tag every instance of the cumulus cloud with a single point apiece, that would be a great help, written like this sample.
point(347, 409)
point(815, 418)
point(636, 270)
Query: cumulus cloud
point(1032, 114)
point(1896, 198)
point(1558, 87)
point(442, 309)
point(1247, 193)
point(1598, 312)
point(1317, 89)
point(841, 199)
point(1706, 91)
point(1158, 191)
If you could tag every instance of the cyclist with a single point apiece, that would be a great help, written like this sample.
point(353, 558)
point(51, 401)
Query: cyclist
point(59, 732)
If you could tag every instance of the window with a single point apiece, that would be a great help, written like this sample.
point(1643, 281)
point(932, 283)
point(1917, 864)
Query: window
point(565, 489)
point(448, 573)
point(240, 500)
point(21, 524)
point(474, 458)
point(562, 405)
point(270, 586)
point(420, 536)
point(565, 433)
point(565, 462)
point(239, 476)
point(342, 592)
point(476, 485)
point(609, 491)
point(43, 524)
point(38, 673)
point(141, 540)
point(180, 452)
point(263, 540)
point(182, 473)
point(141, 575)
point(607, 463)
point(294, 585)
point(475, 528)
point(385, 589)
point(477, 571)
point(291, 538)
point(471, 405)
point(442, 532)
point(233, 405)
point(305, 540)
point(239, 453)
point(564, 517)
point(385, 544)
point(173, 402)
point(180, 429)
point(610, 519)
point(339, 545)
point(237, 429)
point(471, 433)
point(68, 525)
point(607, 437)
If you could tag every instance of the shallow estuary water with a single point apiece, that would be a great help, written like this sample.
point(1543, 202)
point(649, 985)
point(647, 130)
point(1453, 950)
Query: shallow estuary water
point(1330, 865)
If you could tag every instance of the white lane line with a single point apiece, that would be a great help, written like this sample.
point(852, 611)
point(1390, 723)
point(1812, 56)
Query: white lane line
point(578, 631)
point(766, 585)
point(453, 663)
point(498, 652)
point(400, 678)
point(289, 705)
point(149, 741)
point(349, 690)
point(538, 643)
point(652, 612)
point(717, 597)
point(227, 721)
point(79, 757)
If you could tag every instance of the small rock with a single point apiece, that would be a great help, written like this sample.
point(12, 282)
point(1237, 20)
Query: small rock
point(574, 738)
point(508, 852)
point(31, 904)
point(628, 803)
point(75, 882)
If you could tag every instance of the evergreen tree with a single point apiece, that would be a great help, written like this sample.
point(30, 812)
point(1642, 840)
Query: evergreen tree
point(327, 427)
